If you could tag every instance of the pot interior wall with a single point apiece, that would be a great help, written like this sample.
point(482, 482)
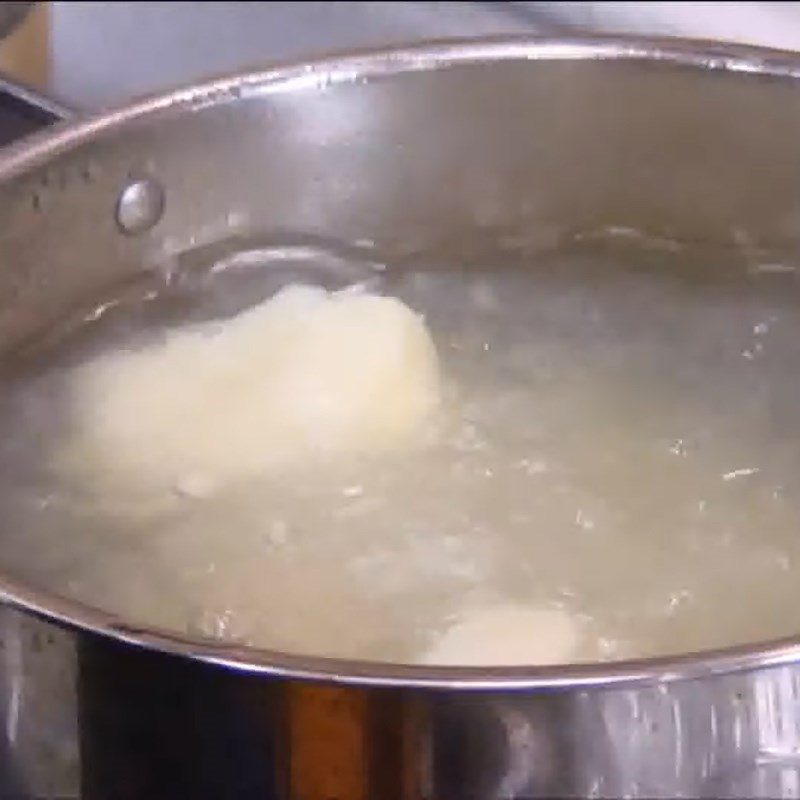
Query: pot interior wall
point(470, 163)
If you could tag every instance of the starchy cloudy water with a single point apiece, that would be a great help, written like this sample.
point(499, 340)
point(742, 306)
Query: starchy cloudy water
point(616, 447)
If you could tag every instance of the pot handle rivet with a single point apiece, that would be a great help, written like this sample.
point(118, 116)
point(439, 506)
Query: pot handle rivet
point(140, 206)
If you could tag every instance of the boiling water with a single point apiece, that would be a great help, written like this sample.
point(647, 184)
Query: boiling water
point(620, 440)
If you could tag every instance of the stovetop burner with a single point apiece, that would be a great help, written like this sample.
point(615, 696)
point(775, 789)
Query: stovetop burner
point(23, 111)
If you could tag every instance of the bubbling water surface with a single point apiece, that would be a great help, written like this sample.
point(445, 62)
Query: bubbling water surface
point(621, 442)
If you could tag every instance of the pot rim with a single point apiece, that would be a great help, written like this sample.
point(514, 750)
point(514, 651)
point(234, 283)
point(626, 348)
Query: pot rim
point(20, 157)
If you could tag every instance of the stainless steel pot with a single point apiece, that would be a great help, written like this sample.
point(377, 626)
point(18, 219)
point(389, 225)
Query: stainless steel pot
point(452, 151)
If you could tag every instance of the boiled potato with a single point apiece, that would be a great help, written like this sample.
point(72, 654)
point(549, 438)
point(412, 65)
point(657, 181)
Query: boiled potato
point(507, 635)
point(307, 374)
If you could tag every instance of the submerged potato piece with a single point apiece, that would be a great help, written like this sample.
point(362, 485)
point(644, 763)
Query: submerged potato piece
point(507, 635)
point(307, 373)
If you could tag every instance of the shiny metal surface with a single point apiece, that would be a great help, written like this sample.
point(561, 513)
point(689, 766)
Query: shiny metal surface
point(38, 719)
point(727, 736)
point(455, 153)
point(140, 206)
